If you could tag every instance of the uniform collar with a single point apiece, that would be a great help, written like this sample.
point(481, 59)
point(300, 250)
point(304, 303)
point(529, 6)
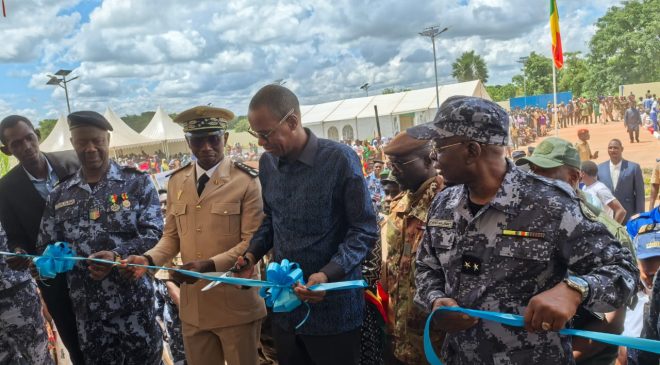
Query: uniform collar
point(199, 171)
point(507, 196)
point(113, 173)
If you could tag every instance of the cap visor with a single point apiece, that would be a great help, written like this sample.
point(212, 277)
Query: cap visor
point(428, 131)
point(539, 161)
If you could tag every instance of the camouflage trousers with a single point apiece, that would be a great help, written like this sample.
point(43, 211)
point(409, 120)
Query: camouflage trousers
point(23, 338)
point(169, 315)
point(126, 339)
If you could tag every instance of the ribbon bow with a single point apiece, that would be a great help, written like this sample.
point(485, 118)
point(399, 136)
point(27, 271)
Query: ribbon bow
point(283, 276)
point(56, 259)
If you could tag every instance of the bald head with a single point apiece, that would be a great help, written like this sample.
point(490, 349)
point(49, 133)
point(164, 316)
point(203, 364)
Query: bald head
point(278, 99)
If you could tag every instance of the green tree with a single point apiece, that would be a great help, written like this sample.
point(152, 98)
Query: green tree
point(501, 92)
point(469, 66)
point(537, 75)
point(138, 122)
point(573, 75)
point(242, 125)
point(626, 47)
point(45, 127)
point(391, 90)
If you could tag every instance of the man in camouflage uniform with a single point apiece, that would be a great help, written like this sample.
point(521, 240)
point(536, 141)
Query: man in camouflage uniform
point(558, 159)
point(23, 338)
point(106, 211)
point(504, 240)
point(403, 229)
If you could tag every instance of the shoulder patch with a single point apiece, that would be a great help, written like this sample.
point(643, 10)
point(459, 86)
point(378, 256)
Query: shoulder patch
point(247, 169)
point(132, 169)
point(587, 213)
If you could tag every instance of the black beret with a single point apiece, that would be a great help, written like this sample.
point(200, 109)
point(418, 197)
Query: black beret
point(88, 118)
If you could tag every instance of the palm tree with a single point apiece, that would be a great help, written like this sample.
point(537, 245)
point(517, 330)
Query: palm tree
point(468, 67)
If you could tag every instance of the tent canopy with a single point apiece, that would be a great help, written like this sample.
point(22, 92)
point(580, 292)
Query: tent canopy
point(388, 104)
point(162, 128)
point(122, 135)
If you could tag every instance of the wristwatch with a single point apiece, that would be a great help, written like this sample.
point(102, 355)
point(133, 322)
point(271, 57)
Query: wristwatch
point(578, 284)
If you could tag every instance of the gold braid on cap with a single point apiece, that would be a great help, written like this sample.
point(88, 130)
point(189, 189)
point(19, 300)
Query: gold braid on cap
point(204, 123)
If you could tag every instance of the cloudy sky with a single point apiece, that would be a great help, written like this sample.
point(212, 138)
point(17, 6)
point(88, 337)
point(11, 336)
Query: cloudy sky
point(134, 55)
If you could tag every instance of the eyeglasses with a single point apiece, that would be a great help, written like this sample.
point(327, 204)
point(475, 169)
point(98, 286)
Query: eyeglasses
point(199, 142)
point(398, 164)
point(437, 151)
point(265, 135)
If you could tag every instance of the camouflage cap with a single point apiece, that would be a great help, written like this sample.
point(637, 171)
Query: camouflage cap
point(204, 120)
point(390, 178)
point(474, 118)
point(553, 152)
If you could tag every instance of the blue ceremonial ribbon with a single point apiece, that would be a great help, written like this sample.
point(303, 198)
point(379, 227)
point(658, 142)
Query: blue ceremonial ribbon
point(277, 290)
point(518, 321)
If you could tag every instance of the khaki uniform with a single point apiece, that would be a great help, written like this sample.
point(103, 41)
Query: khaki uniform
point(222, 323)
point(402, 234)
point(583, 150)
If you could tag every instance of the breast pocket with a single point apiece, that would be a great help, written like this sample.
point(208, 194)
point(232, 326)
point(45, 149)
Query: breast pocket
point(179, 212)
point(67, 222)
point(227, 217)
point(520, 257)
point(121, 222)
point(443, 241)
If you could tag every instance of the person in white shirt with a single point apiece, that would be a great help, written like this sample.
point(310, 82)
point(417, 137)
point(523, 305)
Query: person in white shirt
point(611, 206)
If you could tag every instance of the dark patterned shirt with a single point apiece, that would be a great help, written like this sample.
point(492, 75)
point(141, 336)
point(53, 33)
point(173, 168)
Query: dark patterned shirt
point(318, 214)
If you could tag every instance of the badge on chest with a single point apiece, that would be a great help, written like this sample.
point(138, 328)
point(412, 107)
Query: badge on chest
point(470, 264)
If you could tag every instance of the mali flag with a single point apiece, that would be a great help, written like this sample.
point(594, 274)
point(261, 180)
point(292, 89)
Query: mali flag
point(557, 54)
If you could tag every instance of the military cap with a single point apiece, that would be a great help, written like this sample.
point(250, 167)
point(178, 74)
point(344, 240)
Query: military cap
point(553, 152)
point(86, 118)
point(204, 120)
point(582, 131)
point(518, 154)
point(474, 118)
point(648, 245)
point(403, 144)
point(390, 178)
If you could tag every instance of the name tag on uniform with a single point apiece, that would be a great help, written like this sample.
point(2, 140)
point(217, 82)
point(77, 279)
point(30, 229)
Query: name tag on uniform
point(442, 223)
point(66, 203)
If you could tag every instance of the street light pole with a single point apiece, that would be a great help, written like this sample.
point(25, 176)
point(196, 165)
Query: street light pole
point(365, 87)
point(433, 32)
point(62, 82)
point(523, 61)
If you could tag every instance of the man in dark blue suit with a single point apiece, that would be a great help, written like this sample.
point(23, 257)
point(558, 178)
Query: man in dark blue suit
point(624, 178)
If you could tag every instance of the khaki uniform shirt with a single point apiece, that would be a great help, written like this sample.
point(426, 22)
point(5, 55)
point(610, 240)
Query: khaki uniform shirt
point(216, 225)
point(583, 150)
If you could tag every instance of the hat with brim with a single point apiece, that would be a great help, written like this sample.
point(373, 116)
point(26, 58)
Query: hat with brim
point(648, 245)
point(473, 118)
point(553, 152)
point(540, 161)
point(204, 120)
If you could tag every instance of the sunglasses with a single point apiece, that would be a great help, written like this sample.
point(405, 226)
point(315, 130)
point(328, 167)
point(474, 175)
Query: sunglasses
point(266, 134)
point(199, 142)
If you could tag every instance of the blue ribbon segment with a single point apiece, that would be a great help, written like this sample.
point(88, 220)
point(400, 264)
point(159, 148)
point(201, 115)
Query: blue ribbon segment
point(518, 321)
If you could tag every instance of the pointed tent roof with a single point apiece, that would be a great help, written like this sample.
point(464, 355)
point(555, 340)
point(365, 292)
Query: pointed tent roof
point(122, 134)
point(59, 138)
point(162, 128)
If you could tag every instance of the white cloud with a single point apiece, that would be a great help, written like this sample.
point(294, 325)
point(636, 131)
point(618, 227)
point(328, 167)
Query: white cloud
point(137, 54)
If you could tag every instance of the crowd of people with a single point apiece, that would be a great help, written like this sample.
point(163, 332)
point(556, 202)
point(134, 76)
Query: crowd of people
point(438, 216)
point(529, 123)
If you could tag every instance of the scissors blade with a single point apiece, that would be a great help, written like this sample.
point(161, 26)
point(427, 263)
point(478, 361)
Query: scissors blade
point(213, 284)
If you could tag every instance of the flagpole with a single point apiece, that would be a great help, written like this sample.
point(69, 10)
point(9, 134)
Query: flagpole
point(554, 95)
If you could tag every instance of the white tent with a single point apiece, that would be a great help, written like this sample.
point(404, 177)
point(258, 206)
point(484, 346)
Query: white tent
point(356, 118)
point(122, 135)
point(59, 138)
point(162, 128)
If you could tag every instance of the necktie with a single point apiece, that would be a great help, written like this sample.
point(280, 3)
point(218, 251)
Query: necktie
point(201, 183)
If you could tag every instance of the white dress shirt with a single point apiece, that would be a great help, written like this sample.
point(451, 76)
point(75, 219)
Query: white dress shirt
point(200, 171)
point(615, 171)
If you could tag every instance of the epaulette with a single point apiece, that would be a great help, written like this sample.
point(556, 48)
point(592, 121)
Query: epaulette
point(247, 169)
point(132, 169)
point(64, 179)
point(178, 170)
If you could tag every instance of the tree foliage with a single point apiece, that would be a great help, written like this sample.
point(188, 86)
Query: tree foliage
point(501, 92)
point(573, 75)
point(138, 122)
point(45, 127)
point(469, 66)
point(626, 47)
point(241, 125)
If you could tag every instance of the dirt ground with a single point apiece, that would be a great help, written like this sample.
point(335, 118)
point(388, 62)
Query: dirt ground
point(643, 153)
